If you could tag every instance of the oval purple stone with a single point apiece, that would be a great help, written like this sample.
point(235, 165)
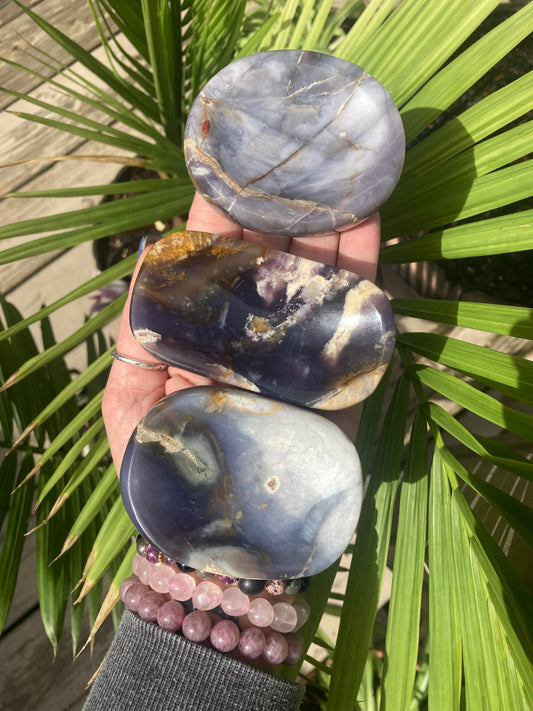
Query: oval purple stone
point(263, 320)
point(234, 483)
point(294, 143)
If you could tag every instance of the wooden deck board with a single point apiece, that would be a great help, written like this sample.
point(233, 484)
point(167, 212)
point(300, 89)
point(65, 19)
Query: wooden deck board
point(32, 680)
point(24, 140)
point(19, 34)
point(60, 174)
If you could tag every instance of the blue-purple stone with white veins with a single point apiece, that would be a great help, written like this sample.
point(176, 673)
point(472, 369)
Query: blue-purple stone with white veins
point(294, 143)
point(263, 320)
point(238, 484)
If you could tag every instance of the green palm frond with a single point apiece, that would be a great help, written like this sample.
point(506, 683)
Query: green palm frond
point(426, 448)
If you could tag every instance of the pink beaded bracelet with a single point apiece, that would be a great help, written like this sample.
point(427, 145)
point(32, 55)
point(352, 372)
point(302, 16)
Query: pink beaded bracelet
point(250, 642)
point(282, 613)
point(252, 587)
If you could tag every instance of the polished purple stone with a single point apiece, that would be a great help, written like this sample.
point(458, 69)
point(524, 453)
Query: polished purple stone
point(263, 320)
point(235, 483)
point(294, 143)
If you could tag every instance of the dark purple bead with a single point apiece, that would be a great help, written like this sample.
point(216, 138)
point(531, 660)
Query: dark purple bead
point(251, 587)
point(134, 594)
point(296, 648)
point(226, 579)
point(196, 626)
point(252, 643)
point(151, 554)
point(170, 615)
point(149, 605)
point(276, 648)
point(225, 636)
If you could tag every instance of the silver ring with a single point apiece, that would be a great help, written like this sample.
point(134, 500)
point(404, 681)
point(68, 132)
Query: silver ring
point(140, 363)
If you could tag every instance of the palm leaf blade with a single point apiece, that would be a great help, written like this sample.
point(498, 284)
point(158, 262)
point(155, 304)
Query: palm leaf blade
point(369, 556)
point(444, 643)
point(401, 646)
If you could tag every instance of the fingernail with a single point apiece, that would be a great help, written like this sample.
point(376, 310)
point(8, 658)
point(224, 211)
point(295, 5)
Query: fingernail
point(142, 245)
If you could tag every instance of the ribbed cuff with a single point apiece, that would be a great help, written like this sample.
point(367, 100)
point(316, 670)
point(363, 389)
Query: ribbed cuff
point(148, 668)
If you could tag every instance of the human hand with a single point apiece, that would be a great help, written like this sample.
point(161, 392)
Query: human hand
point(131, 391)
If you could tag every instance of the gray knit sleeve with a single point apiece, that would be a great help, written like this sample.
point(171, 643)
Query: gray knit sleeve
point(150, 669)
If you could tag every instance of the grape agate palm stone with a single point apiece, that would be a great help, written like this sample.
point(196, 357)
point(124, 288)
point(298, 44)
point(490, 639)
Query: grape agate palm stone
point(262, 320)
point(232, 482)
point(294, 143)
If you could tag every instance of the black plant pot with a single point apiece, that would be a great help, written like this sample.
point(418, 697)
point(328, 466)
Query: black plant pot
point(111, 250)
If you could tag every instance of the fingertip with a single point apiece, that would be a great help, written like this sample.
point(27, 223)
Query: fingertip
point(203, 217)
point(282, 244)
point(359, 247)
point(321, 248)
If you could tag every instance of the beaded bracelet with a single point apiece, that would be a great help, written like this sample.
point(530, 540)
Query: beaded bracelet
point(283, 613)
point(199, 626)
point(254, 618)
point(249, 586)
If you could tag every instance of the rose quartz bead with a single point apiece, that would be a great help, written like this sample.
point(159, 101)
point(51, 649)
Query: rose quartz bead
point(261, 612)
point(285, 617)
point(252, 643)
point(159, 577)
point(134, 594)
point(276, 648)
point(135, 562)
point(149, 604)
point(196, 626)
point(181, 586)
point(225, 636)
point(235, 602)
point(125, 585)
point(144, 568)
point(302, 611)
point(170, 615)
point(207, 596)
point(296, 648)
